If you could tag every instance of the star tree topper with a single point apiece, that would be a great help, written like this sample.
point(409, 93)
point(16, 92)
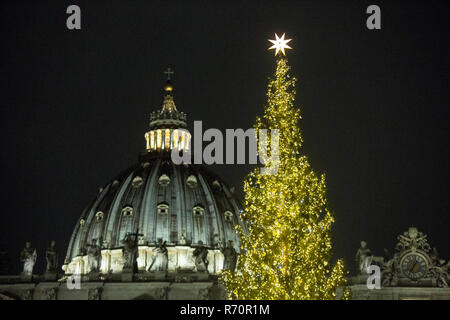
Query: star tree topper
point(279, 44)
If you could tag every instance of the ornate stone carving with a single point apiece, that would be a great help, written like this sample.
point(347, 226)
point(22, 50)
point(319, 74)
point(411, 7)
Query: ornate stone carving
point(412, 239)
point(413, 264)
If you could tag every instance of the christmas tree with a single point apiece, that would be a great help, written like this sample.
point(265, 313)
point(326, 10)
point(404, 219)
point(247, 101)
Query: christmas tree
point(286, 249)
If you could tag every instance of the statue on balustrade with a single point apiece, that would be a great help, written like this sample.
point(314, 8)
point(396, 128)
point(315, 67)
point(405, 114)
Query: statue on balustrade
point(51, 256)
point(229, 256)
point(94, 253)
point(201, 257)
point(160, 261)
point(28, 257)
point(364, 259)
point(130, 251)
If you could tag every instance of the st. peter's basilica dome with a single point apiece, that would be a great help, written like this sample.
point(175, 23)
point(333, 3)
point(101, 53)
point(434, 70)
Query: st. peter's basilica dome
point(183, 205)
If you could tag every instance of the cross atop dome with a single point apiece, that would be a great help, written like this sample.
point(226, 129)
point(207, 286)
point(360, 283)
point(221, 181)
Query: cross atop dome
point(168, 88)
point(169, 72)
point(167, 124)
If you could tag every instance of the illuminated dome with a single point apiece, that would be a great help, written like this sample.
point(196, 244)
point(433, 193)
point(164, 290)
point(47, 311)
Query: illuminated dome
point(181, 204)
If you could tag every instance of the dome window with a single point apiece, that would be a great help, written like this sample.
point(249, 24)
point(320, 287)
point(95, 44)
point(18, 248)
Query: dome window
point(163, 208)
point(164, 180)
point(137, 182)
point(191, 181)
point(216, 185)
point(127, 211)
point(228, 216)
point(99, 216)
point(198, 211)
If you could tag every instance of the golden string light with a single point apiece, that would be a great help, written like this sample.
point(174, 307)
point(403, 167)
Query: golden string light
point(286, 251)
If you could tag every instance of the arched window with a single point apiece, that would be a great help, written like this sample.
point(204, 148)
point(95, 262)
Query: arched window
point(137, 182)
point(198, 211)
point(228, 216)
point(127, 211)
point(163, 208)
point(216, 185)
point(164, 180)
point(191, 181)
point(99, 216)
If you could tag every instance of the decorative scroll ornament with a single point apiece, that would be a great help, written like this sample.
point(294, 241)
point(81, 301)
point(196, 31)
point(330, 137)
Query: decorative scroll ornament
point(412, 239)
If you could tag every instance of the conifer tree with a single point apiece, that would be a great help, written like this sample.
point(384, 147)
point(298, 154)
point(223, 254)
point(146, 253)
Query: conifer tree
point(286, 249)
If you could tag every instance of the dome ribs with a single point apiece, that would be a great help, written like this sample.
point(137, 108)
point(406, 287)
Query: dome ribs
point(185, 207)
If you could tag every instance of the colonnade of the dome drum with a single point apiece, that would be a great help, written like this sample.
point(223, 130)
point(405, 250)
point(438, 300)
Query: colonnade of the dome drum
point(168, 139)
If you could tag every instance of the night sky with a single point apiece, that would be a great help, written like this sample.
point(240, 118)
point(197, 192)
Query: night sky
point(75, 105)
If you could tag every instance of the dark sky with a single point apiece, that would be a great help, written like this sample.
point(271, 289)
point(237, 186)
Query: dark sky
point(75, 104)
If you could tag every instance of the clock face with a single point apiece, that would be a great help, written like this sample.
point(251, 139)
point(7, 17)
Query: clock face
point(414, 265)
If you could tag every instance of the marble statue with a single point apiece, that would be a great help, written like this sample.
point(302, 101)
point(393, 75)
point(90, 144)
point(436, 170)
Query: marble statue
point(94, 256)
point(130, 251)
point(363, 258)
point(200, 254)
point(229, 256)
point(28, 257)
point(51, 256)
point(160, 261)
